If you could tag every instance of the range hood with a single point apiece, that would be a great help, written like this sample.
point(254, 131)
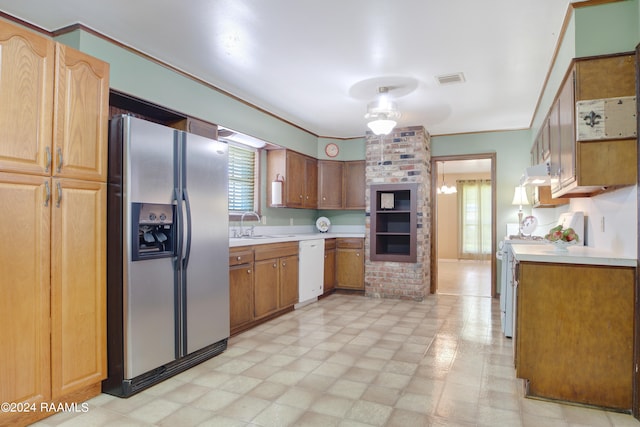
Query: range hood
point(537, 175)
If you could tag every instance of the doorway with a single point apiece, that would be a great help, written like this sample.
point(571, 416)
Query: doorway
point(453, 270)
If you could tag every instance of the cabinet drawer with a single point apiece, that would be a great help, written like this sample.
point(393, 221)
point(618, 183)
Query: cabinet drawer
point(275, 250)
point(350, 243)
point(243, 256)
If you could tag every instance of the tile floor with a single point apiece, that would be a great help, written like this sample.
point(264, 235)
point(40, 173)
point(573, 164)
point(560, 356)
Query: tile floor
point(464, 277)
point(353, 361)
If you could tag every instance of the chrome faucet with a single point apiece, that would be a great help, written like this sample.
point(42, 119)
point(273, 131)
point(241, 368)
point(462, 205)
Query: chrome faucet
point(242, 231)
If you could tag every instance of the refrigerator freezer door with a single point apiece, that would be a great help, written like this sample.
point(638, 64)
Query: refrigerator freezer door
point(206, 287)
point(149, 307)
point(150, 165)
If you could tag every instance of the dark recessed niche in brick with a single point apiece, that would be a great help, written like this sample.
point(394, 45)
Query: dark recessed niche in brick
point(393, 222)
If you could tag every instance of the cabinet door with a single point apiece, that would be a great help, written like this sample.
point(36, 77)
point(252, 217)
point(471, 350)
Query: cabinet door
point(349, 268)
point(566, 121)
point(26, 85)
point(606, 77)
point(554, 147)
point(24, 285)
point(265, 293)
point(294, 180)
point(78, 285)
point(288, 281)
point(329, 270)
point(241, 294)
point(81, 115)
point(354, 185)
point(310, 179)
point(330, 184)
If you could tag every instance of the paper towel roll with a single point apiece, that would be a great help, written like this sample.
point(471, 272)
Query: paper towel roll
point(276, 193)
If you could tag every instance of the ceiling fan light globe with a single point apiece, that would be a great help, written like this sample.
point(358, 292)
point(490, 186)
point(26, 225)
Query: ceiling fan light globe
point(381, 126)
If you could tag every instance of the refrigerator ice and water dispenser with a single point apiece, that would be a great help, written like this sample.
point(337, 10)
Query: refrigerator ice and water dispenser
point(153, 233)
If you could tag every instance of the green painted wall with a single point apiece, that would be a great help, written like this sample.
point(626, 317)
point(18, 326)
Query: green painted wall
point(512, 157)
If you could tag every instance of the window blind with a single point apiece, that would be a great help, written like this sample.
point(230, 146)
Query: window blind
point(242, 162)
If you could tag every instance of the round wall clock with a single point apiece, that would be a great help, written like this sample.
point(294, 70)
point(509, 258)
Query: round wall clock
point(331, 149)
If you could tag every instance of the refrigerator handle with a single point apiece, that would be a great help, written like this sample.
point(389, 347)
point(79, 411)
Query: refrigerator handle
point(185, 261)
point(178, 224)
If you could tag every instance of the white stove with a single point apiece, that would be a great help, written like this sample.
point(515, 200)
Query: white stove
point(508, 280)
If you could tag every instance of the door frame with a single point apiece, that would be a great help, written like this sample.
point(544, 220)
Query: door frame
point(433, 286)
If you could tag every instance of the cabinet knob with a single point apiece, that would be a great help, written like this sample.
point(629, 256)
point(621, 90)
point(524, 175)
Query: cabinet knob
point(275, 265)
point(357, 253)
point(249, 271)
point(239, 258)
point(284, 263)
point(324, 198)
point(300, 196)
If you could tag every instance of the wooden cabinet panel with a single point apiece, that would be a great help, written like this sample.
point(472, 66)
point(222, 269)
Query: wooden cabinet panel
point(241, 279)
point(24, 284)
point(288, 286)
point(566, 119)
point(350, 263)
point(330, 184)
point(294, 180)
point(574, 337)
point(354, 185)
point(329, 282)
point(605, 77)
point(80, 115)
point(26, 84)
point(265, 293)
point(78, 284)
point(310, 179)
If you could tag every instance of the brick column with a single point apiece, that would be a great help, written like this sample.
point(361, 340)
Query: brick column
point(402, 156)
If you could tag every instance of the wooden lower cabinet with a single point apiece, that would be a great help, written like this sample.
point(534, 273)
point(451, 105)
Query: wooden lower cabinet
point(329, 282)
point(53, 285)
point(241, 277)
point(574, 339)
point(263, 283)
point(266, 287)
point(350, 263)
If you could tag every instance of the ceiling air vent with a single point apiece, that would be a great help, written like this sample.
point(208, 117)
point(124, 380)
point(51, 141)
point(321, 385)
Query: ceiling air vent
point(446, 79)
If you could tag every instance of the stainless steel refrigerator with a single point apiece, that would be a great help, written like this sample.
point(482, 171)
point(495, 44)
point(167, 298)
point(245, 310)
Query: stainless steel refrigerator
point(167, 253)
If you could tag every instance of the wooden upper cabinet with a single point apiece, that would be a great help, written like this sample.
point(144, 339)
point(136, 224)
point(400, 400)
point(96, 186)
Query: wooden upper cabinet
point(330, 184)
point(81, 115)
point(354, 184)
point(341, 185)
point(300, 174)
point(26, 94)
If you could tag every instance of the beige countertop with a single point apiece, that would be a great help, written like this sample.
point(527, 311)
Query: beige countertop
point(292, 237)
point(573, 255)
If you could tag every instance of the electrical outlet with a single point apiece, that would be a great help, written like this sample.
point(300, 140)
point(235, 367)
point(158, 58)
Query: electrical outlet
point(264, 220)
point(602, 224)
point(290, 221)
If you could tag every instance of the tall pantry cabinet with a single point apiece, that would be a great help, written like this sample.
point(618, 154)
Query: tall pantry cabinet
point(53, 165)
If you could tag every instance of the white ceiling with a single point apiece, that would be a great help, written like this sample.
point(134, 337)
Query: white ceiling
point(317, 64)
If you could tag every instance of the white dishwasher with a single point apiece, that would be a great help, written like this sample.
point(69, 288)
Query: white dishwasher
point(311, 270)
